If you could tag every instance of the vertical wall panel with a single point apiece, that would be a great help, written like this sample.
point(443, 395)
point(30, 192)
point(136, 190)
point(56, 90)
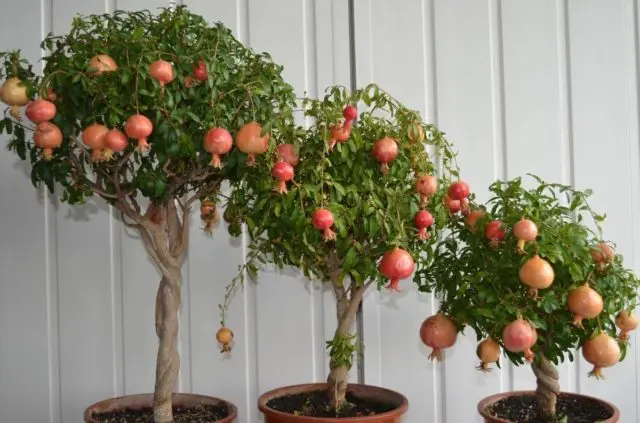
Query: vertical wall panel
point(213, 262)
point(28, 311)
point(532, 94)
point(284, 294)
point(602, 151)
point(470, 111)
point(393, 353)
point(85, 282)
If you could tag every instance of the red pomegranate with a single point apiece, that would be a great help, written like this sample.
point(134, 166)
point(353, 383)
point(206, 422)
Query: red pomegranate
point(385, 150)
point(39, 111)
point(520, 336)
point(217, 141)
point(396, 264)
point(283, 172)
point(423, 220)
point(322, 219)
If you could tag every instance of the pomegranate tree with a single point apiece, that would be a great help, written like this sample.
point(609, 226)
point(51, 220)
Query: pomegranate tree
point(358, 204)
point(124, 109)
point(534, 282)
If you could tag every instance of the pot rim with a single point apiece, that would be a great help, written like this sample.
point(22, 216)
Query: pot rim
point(485, 402)
point(310, 387)
point(233, 410)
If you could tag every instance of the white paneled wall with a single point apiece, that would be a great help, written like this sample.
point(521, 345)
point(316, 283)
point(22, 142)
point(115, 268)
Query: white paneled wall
point(547, 86)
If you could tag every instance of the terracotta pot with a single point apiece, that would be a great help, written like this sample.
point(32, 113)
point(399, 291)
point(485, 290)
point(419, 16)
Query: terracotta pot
point(371, 393)
point(482, 405)
point(146, 400)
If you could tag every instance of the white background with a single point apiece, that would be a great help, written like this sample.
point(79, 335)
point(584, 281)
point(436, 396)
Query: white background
point(542, 86)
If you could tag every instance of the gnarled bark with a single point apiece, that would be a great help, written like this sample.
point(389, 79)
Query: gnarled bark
point(548, 387)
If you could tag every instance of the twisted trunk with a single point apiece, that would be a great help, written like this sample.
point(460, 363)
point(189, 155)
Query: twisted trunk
point(548, 387)
point(168, 360)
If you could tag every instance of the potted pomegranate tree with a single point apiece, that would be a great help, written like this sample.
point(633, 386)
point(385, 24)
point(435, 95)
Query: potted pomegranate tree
point(143, 111)
point(352, 201)
point(532, 278)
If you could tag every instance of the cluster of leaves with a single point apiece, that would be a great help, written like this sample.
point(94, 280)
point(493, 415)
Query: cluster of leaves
point(242, 86)
point(373, 212)
point(479, 284)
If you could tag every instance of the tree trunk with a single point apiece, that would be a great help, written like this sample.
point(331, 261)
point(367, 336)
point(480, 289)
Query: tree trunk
point(548, 387)
point(168, 360)
point(339, 374)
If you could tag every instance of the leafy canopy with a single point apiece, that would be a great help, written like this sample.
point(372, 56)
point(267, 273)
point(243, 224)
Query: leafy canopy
point(241, 86)
point(373, 212)
point(479, 284)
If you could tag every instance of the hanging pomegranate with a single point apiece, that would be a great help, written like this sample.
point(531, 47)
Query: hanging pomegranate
point(102, 63)
point(526, 231)
point(288, 153)
point(488, 351)
point(162, 71)
point(139, 127)
point(385, 151)
point(93, 137)
point(14, 93)
point(322, 219)
point(519, 336)
point(39, 111)
point(396, 264)
point(115, 141)
point(339, 132)
point(426, 185)
point(250, 142)
point(585, 303)
point(217, 141)
point(537, 274)
point(438, 332)
point(423, 220)
point(47, 137)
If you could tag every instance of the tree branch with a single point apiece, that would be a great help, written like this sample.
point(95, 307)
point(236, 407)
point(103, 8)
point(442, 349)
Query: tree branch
point(148, 244)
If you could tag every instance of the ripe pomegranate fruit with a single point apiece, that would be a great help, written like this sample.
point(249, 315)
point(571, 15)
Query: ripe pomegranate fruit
point(426, 185)
point(488, 351)
point(283, 172)
point(438, 332)
point(322, 219)
point(250, 142)
point(627, 322)
point(526, 231)
point(39, 111)
point(350, 113)
point(339, 132)
point(47, 137)
point(536, 273)
point(519, 336)
point(602, 254)
point(225, 337)
point(385, 150)
point(458, 190)
point(494, 232)
point(602, 351)
point(423, 220)
point(217, 141)
point(396, 264)
point(585, 303)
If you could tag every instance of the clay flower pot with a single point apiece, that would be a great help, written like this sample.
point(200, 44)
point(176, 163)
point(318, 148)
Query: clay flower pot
point(482, 405)
point(365, 392)
point(146, 400)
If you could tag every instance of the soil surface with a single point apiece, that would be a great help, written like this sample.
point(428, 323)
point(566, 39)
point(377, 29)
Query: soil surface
point(316, 404)
point(523, 409)
point(200, 414)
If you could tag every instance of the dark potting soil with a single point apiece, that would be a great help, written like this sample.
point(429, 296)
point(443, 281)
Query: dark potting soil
point(524, 408)
point(199, 414)
point(316, 404)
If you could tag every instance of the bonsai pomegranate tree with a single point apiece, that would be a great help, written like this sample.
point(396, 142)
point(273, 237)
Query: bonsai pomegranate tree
point(353, 201)
point(532, 278)
point(152, 113)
